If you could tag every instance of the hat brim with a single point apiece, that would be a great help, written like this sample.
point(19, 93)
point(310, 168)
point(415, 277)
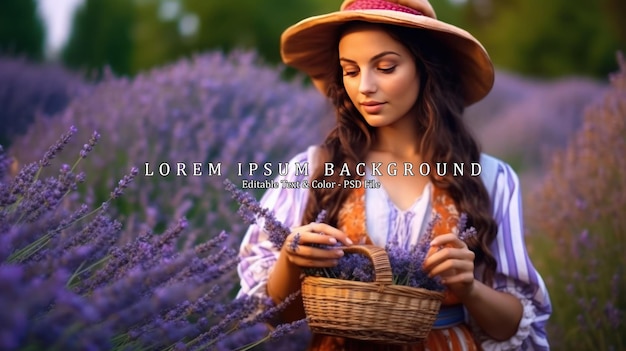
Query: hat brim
point(309, 44)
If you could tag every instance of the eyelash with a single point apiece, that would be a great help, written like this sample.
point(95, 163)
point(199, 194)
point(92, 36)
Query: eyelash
point(382, 70)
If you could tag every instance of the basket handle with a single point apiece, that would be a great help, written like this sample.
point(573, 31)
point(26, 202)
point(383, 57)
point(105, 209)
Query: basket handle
point(378, 255)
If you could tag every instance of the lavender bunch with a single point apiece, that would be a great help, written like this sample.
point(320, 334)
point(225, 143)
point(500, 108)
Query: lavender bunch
point(69, 282)
point(406, 263)
point(351, 266)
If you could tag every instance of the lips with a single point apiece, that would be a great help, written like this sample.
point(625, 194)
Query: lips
point(372, 107)
point(371, 103)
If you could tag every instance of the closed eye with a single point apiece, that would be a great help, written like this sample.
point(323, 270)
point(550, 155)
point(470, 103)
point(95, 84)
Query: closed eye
point(387, 70)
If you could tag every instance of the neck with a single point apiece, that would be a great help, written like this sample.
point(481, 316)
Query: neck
point(399, 139)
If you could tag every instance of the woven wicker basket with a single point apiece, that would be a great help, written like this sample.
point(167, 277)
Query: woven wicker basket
point(375, 311)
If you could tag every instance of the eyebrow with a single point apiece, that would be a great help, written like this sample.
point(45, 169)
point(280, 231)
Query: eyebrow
point(376, 57)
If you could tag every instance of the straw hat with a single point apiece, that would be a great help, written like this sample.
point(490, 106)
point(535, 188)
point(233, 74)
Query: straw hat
point(309, 44)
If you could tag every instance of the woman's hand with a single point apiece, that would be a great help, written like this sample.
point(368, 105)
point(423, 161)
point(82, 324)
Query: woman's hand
point(451, 259)
point(298, 251)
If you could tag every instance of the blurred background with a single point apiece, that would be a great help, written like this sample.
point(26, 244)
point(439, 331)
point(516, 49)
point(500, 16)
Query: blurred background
point(201, 81)
point(528, 37)
point(537, 48)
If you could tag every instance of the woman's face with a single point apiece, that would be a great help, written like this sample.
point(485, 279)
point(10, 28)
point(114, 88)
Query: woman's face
point(379, 75)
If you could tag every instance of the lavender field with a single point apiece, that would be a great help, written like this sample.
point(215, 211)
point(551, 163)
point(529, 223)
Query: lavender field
point(211, 108)
point(95, 255)
point(578, 230)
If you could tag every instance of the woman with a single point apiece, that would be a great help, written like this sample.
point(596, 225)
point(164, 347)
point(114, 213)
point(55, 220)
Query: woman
point(400, 80)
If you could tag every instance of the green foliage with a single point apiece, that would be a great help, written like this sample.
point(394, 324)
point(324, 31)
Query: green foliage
point(102, 36)
point(21, 29)
point(247, 24)
point(229, 25)
point(549, 38)
point(533, 37)
point(130, 36)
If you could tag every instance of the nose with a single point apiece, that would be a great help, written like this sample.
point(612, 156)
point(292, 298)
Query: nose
point(367, 85)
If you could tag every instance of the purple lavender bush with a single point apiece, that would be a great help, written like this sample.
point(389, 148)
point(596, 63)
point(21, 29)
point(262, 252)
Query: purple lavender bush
point(522, 120)
point(211, 108)
point(68, 282)
point(28, 89)
point(579, 228)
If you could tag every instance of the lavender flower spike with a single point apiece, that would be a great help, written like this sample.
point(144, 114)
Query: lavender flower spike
point(123, 183)
point(57, 147)
point(468, 234)
point(293, 246)
point(251, 208)
point(90, 144)
point(321, 217)
point(462, 222)
point(287, 328)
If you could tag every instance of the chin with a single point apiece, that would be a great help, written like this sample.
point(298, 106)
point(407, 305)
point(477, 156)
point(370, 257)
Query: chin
point(377, 125)
point(377, 121)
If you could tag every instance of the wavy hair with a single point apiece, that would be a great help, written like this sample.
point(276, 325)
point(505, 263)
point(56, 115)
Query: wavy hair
point(443, 138)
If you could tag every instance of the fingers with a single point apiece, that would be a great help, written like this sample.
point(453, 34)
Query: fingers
point(445, 240)
point(308, 256)
point(446, 254)
point(452, 267)
point(310, 233)
point(449, 258)
point(317, 252)
point(308, 238)
point(450, 240)
point(323, 228)
point(304, 253)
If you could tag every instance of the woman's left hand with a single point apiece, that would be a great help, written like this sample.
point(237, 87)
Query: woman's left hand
point(451, 259)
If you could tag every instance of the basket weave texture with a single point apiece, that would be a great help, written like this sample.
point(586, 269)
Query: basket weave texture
point(376, 311)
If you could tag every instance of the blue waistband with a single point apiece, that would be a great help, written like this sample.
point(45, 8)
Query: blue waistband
point(449, 316)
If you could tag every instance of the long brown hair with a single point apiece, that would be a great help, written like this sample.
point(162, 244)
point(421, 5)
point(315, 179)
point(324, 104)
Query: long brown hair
point(443, 138)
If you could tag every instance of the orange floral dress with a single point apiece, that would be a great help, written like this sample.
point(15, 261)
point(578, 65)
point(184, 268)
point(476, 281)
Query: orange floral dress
point(448, 337)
